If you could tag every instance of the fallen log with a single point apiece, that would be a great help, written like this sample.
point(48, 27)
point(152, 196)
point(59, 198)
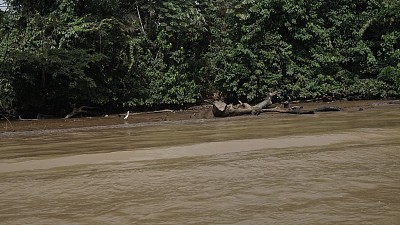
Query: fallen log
point(221, 109)
point(138, 113)
point(289, 111)
point(21, 119)
point(162, 111)
point(327, 109)
point(78, 111)
point(299, 110)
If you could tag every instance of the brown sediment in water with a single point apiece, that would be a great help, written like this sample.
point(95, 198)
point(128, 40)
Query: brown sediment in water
point(335, 167)
point(46, 126)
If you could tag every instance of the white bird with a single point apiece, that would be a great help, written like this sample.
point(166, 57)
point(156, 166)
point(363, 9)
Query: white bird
point(126, 116)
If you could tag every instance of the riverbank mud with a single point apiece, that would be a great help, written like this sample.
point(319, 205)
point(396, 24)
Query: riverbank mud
point(15, 128)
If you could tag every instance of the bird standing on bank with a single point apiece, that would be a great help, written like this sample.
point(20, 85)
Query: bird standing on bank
point(126, 116)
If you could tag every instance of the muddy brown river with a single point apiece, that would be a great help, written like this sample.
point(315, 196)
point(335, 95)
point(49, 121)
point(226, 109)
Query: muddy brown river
point(327, 168)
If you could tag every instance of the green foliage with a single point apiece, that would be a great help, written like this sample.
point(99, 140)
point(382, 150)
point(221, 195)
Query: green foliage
point(151, 81)
point(370, 89)
point(306, 50)
point(391, 76)
point(156, 53)
point(164, 59)
point(7, 97)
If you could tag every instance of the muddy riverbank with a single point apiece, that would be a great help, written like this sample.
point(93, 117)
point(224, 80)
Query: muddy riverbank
point(203, 112)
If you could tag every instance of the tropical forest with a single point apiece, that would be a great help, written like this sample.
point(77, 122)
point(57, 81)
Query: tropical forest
point(152, 54)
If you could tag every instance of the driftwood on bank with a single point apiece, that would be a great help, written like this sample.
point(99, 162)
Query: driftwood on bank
point(221, 109)
point(78, 111)
point(21, 119)
point(126, 115)
point(327, 109)
point(289, 111)
point(297, 110)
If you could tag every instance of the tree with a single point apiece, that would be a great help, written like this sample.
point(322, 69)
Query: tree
point(153, 53)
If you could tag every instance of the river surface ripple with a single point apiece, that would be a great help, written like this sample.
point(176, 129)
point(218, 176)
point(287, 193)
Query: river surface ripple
point(328, 168)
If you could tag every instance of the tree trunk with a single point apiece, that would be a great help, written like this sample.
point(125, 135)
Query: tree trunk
point(79, 111)
point(221, 109)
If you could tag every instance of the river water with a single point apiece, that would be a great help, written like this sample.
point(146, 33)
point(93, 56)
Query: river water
point(327, 168)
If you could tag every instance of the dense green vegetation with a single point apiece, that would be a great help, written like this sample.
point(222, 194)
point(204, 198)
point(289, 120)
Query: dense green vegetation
point(150, 53)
